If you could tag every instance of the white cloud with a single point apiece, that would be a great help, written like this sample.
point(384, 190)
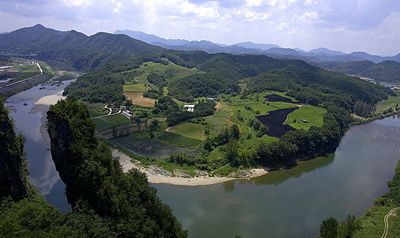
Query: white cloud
point(340, 24)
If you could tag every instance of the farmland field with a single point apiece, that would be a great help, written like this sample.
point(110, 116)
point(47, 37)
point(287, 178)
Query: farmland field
point(137, 98)
point(188, 136)
point(391, 102)
point(189, 129)
point(108, 122)
point(305, 117)
point(170, 71)
point(178, 140)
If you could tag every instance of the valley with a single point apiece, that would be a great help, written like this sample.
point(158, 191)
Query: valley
point(256, 144)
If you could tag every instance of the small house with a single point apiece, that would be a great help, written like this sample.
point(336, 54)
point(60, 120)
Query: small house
point(189, 108)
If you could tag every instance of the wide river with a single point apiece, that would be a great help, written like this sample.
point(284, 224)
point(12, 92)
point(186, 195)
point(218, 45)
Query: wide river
point(288, 203)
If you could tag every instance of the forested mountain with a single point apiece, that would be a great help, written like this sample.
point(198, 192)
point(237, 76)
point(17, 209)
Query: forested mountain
point(387, 71)
point(314, 55)
point(111, 54)
point(71, 49)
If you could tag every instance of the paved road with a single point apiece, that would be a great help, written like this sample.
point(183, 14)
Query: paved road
point(11, 84)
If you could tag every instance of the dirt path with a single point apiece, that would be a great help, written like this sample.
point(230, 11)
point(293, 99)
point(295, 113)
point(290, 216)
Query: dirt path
point(386, 221)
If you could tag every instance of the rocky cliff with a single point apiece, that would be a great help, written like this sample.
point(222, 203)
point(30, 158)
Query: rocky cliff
point(13, 171)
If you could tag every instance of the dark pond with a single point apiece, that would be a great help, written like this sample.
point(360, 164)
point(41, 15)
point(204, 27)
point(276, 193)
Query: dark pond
point(274, 121)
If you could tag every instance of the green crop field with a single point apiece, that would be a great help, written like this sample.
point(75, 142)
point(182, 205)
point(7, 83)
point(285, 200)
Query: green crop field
point(220, 120)
point(391, 102)
point(108, 122)
point(170, 71)
point(135, 87)
point(189, 129)
point(305, 117)
point(141, 145)
point(177, 140)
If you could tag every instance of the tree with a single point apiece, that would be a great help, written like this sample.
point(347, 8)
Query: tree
point(235, 131)
point(138, 121)
point(232, 150)
point(13, 170)
point(329, 228)
point(128, 103)
point(152, 128)
point(114, 131)
point(209, 144)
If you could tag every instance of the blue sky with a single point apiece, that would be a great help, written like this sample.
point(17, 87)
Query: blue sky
point(347, 25)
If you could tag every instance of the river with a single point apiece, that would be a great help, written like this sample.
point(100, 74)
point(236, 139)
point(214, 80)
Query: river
point(28, 121)
point(288, 203)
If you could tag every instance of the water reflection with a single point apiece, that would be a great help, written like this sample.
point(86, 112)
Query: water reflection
point(28, 119)
point(292, 203)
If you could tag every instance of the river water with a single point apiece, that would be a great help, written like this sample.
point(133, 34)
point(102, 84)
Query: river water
point(28, 121)
point(288, 203)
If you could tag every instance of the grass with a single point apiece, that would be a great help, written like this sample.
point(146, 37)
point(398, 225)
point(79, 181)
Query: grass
point(97, 109)
point(170, 71)
point(178, 140)
point(372, 224)
point(391, 102)
point(135, 87)
point(109, 122)
point(231, 109)
point(305, 117)
point(189, 129)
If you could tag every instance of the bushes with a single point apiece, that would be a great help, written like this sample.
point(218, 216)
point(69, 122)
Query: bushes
point(175, 115)
point(200, 85)
point(154, 94)
point(276, 152)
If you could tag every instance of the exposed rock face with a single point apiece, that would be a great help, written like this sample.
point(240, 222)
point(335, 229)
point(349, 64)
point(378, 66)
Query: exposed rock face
point(70, 142)
point(13, 172)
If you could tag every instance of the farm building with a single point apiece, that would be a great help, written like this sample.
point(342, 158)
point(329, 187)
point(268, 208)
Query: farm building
point(189, 108)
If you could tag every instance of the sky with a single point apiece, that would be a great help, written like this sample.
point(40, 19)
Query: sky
point(347, 25)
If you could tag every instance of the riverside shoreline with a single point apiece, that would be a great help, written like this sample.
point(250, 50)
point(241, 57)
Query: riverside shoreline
point(158, 175)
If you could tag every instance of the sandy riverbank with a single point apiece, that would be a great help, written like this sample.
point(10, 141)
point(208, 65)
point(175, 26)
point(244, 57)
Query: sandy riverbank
point(158, 175)
point(51, 99)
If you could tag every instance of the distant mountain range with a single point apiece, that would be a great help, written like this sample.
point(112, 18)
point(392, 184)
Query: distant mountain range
point(388, 71)
point(315, 55)
point(75, 50)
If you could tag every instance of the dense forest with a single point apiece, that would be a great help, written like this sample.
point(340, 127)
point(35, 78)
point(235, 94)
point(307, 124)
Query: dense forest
point(105, 202)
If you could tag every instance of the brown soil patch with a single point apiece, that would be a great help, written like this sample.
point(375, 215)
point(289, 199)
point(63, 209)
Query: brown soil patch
point(138, 99)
